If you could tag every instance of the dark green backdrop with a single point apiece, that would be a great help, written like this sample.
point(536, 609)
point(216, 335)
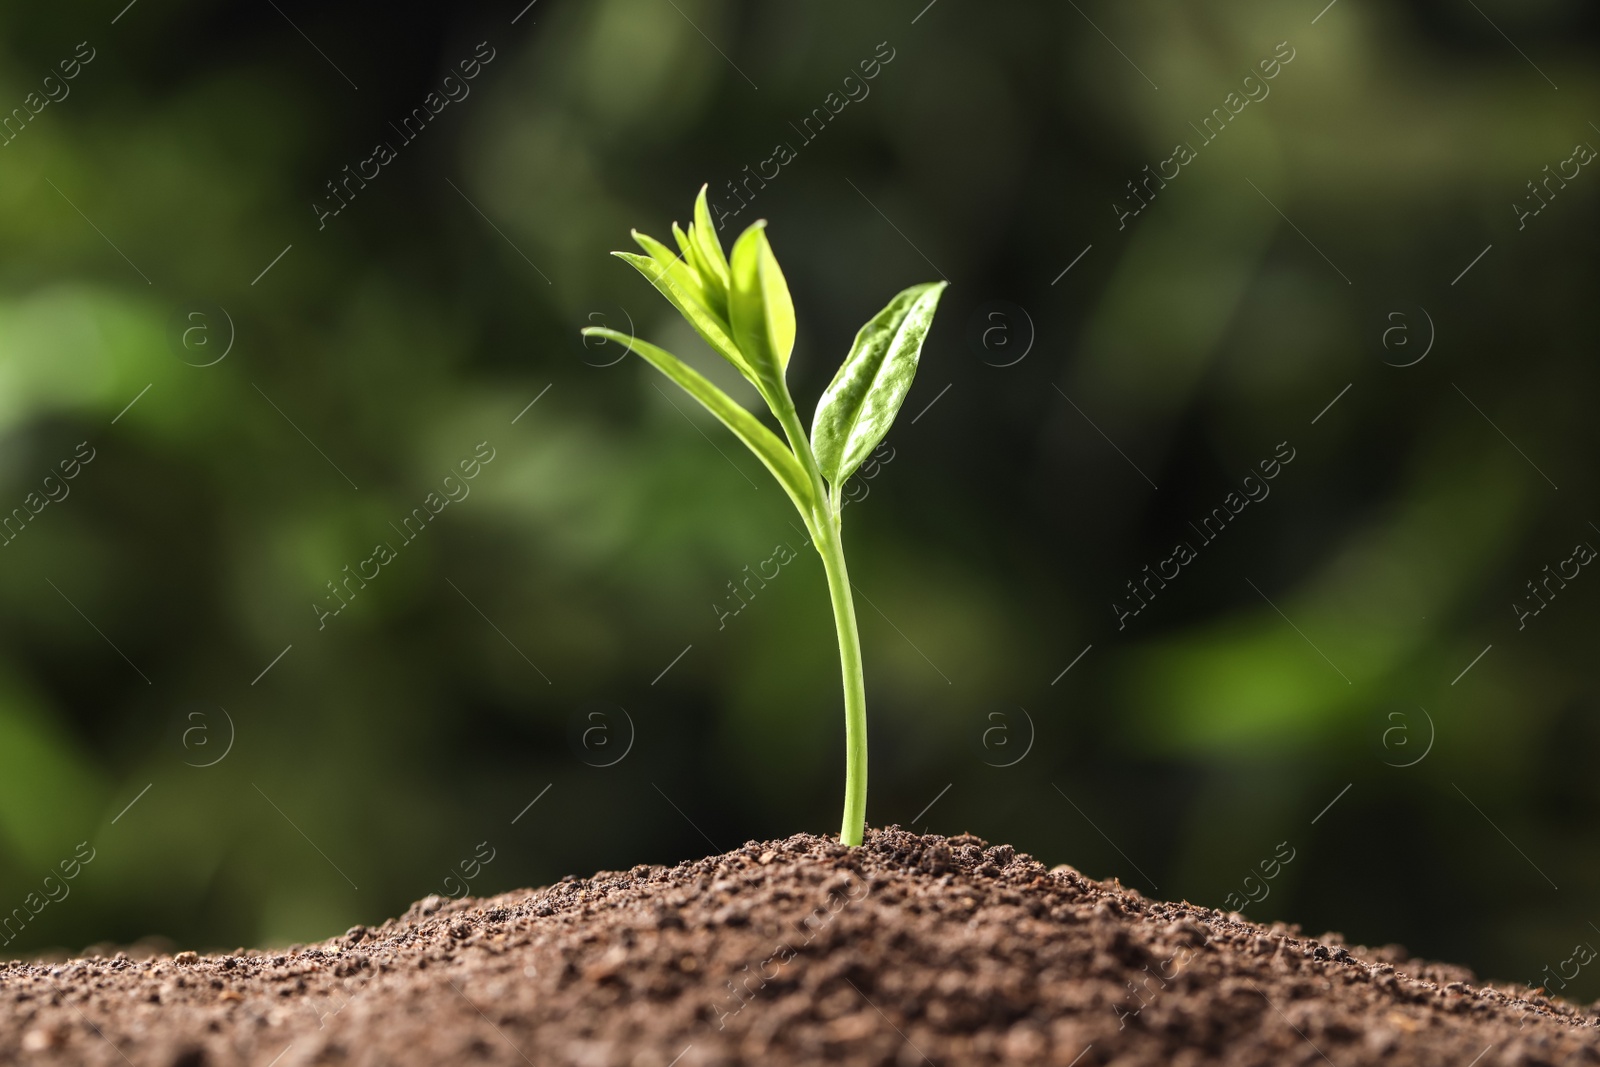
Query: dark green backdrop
point(1337, 210)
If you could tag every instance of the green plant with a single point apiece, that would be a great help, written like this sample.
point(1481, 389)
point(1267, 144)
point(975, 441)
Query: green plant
point(740, 305)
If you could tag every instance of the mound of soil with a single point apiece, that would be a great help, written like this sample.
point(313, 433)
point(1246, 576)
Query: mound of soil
point(911, 949)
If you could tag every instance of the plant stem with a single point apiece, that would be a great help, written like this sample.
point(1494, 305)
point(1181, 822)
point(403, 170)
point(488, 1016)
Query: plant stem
point(830, 546)
point(825, 535)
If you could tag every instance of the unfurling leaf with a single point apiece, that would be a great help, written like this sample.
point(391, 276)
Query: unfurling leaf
point(681, 270)
point(860, 405)
point(714, 265)
point(760, 310)
point(682, 287)
point(716, 296)
point(756, 437)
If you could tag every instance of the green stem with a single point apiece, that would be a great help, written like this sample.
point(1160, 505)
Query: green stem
point(825, 535)
point(854, 823)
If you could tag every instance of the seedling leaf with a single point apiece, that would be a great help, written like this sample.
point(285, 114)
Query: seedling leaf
point(691, 255)
point(706, 242)
point(760, 309)
point(714, 286)
point(681, 271)
point(858, 408)
point(757, 438)
point(689, 304)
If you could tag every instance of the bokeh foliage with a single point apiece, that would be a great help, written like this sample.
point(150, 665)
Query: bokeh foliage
point(448, 295)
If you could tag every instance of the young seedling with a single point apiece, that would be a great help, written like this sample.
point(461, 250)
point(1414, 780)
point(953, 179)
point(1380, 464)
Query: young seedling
point(740, 305)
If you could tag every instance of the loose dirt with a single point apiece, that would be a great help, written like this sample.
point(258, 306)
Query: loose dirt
point(912, 949)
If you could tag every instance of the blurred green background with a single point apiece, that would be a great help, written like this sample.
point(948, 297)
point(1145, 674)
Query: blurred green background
point(555, 634)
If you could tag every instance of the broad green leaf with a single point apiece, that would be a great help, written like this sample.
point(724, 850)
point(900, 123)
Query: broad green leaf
point(705, 323)
point(704, 235)
point(756, 437)
point(860, 405)
point(760, 310)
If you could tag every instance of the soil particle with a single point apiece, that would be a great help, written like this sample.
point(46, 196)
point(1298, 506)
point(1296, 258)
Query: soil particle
point(913, 949)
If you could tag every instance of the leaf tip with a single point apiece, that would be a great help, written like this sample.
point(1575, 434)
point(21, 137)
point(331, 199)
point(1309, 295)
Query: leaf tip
point(758, 226)
point(930, 292)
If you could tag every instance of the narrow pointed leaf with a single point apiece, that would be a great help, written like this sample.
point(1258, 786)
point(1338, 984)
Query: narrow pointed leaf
point(857, 410)
point(705, 323)
point(756, 437)
point(714, 286)
point(683, 274)
point(760, 309)
point(685, 246)
point(706, 240)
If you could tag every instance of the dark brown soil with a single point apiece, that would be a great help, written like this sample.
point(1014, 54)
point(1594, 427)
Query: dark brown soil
point(912, 949)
